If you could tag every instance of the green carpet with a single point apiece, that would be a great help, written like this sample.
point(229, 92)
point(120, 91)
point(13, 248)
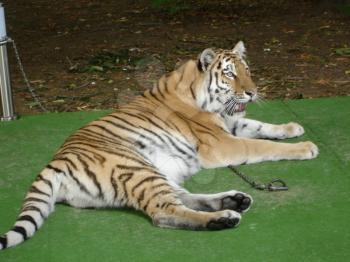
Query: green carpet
point(310, 222)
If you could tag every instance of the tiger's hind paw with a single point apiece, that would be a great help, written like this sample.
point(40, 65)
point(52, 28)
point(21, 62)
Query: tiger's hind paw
point(228, 219)
point(239, 202)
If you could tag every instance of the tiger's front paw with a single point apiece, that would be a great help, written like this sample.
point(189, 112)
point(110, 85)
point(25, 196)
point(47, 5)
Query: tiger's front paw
point(293, 130)
point(307, 150)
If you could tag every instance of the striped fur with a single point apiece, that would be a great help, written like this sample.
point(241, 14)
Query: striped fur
point(139, 156)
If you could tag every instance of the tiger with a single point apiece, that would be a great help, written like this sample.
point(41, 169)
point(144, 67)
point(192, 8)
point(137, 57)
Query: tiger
point(193, 118)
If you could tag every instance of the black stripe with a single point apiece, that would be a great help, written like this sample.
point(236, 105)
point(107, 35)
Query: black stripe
point(189, 119)
point(147, 179)
point(129, 176)
point(132, 152)
point(170, 204)
point(187, 125)
point(114, 184)
point(186, 145)
point(35, 199)
point(192, 92)
point(46, 181)
point(76, 145)
point(81, 186)
point(92, 175)
point(177, 147)
point(161, 128)
point(101, 159)
point(111, 133)
point(204, 105)
point(145, 208)
point(67, 160)
point(199, 66)
point(133, 115)
point(3, 242)
point(73, 152)
point(97, 136)
point(211, 98)
point(159, 185)
point(34, 189)
point(104, 140)
point(166, 87)
point(217, 80)
point(159, 91)
point(141, 196)
point(162, 192)
point(144, 110)
point(209, 133)
point(115, 145)
point(130, 124)
point(122, 175)
point(139, 168)
point(234, 129)
point(154, 96)
point(180, 80)
point(33, 208)
point(161, 207)
point(20, 230)
point(98, 145)
point(197, 123)
point(29, 219)
point(135, 132)
point(131, 130)
point(210, 80)
point(145, 118)
point(54, 168)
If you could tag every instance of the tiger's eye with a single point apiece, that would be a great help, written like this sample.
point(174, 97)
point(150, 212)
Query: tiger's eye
point(230, 75)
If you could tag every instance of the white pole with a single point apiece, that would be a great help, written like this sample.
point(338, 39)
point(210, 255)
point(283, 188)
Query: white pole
point(5, 85)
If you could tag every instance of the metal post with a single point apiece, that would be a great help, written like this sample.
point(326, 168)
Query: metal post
point(5, 85)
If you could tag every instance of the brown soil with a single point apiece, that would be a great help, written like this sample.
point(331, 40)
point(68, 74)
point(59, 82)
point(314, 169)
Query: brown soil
point(291, 48)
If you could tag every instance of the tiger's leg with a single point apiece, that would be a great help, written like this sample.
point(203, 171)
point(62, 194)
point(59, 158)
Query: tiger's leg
point(233, 200)
point(156, 197)
point(230, 150)
point(249, 128)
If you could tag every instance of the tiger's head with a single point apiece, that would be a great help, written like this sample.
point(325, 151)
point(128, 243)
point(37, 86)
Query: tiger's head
point(228, 85)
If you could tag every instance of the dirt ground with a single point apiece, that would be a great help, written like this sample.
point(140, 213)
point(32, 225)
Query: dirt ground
point(89, 54)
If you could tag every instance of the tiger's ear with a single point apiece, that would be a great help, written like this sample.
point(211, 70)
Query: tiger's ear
point(205, 59)
point(239, 49)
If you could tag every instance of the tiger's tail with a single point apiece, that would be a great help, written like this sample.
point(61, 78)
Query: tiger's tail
point(38, 204)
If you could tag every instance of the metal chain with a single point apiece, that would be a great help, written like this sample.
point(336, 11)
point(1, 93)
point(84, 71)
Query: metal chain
point(26, 81)
point(281, 185)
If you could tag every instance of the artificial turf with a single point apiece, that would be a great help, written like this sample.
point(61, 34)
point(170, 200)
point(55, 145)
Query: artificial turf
point(310, 222)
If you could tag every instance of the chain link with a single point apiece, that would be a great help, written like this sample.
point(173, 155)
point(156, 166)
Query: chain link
point(274, 185)
point(26, 81)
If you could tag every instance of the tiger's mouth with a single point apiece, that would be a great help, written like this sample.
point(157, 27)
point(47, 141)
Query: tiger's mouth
point(240, 107)
point(232, 106)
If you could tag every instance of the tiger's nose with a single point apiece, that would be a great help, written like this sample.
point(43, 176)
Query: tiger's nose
point(251, 94)
point(248, 93)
